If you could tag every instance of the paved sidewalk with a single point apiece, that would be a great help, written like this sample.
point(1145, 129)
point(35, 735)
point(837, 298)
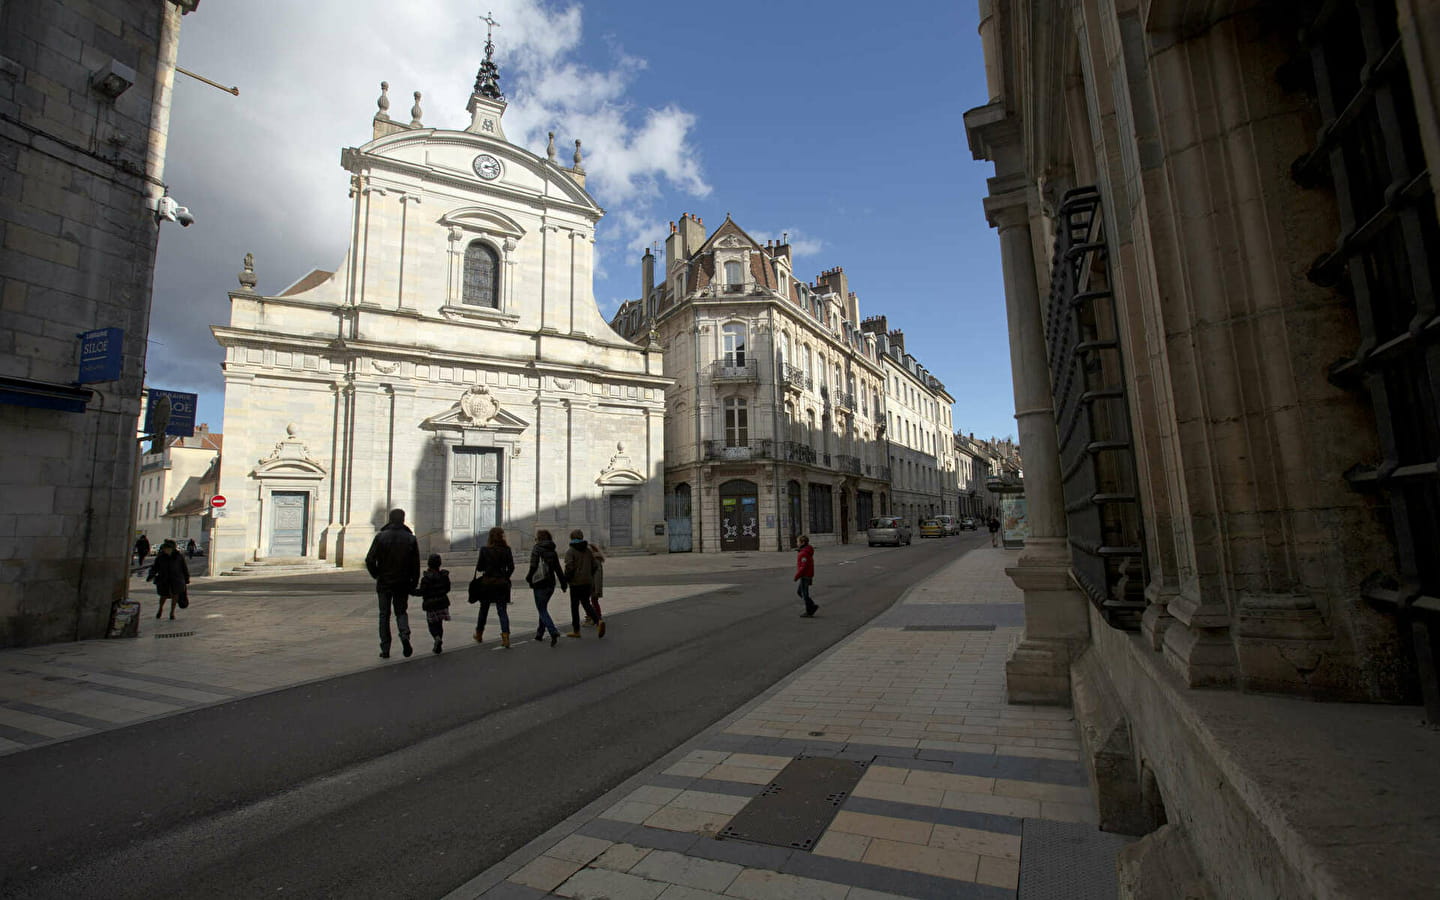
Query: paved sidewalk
point(241, 637)
point(959, 791)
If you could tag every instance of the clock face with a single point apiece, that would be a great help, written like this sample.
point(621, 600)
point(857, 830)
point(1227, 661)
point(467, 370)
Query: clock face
point(487, 167)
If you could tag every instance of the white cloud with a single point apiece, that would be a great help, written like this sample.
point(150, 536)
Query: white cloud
point(261, 171)
point(801, 244)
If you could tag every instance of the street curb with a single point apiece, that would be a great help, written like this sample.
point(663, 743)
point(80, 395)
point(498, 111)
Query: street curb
point(537, 846)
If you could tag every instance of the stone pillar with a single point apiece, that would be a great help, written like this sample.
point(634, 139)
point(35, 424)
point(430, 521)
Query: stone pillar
point(1056, 614)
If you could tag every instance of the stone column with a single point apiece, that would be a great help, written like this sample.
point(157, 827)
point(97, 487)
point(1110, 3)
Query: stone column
point(1056, 614)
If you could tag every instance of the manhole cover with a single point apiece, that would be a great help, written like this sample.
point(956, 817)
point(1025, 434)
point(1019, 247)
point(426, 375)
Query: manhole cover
point(169, 634)
point(948, 628)
point(795, 809)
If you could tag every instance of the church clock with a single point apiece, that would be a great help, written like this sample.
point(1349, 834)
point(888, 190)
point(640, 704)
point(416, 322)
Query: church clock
point(487, 167)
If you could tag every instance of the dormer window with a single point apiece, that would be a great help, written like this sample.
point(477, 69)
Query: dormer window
point(481, 276)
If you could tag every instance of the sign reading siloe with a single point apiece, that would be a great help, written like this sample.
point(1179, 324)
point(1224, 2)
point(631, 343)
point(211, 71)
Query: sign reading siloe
point(182, 412)
point(101, 355)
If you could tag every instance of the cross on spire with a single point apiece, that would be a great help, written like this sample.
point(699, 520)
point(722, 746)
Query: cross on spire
point(487, 80)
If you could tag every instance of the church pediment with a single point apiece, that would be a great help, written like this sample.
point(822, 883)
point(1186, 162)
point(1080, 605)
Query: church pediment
point(290, 459)
point(621, 471)
point(487, 221)
point(477, 408)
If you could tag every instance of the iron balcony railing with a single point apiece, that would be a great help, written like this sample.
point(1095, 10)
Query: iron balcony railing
point(1092, 418)
point(845, 400)
point(733, 368)
point(738, 450)
point(846, 463)
point(794, 451)
point(796, 378)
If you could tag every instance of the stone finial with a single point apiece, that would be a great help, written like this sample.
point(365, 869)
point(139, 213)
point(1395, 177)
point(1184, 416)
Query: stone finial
point(579, 158)
point(550, 147)
point(384, 101)
point(247, 277)
point(291, 430)
point(415, 113)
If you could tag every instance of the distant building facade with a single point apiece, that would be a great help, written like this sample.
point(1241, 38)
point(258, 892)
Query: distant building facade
point(1218, 228)
point(85, 98)
point(918, 413)
point(775, 418)
point(168, 495)
point(455, 365)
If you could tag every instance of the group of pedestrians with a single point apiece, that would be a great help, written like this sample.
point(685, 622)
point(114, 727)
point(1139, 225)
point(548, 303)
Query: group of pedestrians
point(394, 563)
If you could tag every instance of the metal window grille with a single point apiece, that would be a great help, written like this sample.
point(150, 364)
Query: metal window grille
point(1092, 418)
point(1387, 260)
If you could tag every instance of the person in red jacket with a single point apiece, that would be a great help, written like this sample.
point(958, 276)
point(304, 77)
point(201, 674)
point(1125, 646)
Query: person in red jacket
point(805, 573)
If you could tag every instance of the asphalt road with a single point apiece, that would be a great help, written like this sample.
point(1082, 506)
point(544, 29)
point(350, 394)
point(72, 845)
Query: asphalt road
point(406, 781)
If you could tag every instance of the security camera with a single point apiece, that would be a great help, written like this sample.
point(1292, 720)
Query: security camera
point(166, 209)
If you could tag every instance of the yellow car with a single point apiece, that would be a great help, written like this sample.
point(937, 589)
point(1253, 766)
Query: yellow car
point(932, 528)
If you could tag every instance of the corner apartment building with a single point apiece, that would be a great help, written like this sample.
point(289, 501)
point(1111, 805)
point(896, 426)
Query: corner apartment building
point(775, 423)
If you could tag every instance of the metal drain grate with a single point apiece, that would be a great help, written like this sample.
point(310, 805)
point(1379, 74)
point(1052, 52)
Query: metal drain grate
point(1068, 861)
point(175, 634)
point(794, 810)
point(948, 628)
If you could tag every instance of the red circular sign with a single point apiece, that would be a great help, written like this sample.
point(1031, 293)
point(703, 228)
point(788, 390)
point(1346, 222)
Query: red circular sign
point(217, 501)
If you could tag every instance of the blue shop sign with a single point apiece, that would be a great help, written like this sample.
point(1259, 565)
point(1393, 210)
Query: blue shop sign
point(101, 355)
point(182, 412)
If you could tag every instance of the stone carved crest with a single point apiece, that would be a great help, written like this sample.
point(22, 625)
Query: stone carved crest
point(730, 240)
point(479, 405)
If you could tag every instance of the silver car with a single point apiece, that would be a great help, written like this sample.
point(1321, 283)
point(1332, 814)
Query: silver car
point(889, 530)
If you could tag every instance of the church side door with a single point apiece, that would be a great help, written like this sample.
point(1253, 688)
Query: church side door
point(475, 487)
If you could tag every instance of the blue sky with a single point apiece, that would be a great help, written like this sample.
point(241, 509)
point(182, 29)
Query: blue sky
point(840, 123)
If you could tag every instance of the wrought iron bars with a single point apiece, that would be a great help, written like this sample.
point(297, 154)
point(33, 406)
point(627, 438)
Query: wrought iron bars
point(1092, 418)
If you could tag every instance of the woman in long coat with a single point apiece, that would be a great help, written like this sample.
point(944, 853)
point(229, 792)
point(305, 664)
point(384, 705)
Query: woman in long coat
point(170, 575)
point(491, 584)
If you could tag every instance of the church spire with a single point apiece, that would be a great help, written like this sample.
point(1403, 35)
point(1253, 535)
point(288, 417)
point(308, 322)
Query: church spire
point(487, 103)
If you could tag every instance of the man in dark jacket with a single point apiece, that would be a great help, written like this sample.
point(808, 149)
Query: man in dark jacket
point(580, 575)
point(394, 563)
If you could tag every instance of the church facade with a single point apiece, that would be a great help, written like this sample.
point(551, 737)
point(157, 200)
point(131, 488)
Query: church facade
point(455, 365)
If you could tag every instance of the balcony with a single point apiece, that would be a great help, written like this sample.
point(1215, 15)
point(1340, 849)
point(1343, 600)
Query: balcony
point(845, 400)
point(735, 368)
point(849, 464)
point(798, 452)
point(883, 473)
point(732, 451)
point(795, 379)
point(742, 291)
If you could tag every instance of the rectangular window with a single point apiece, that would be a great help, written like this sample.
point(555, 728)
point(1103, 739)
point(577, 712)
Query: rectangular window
point(822, 511)
point(737, 423)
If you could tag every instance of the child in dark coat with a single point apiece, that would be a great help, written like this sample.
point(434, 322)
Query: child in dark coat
point(434, 592)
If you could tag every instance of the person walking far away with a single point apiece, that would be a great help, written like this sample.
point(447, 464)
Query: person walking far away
point(190, 549)
point(544, 574)
point(994, 526)
point(170, 575)
point(142, 549)
point(805, 574)
point(491, 584)
point(435, 598)
point(394, 563)
point(580, 573)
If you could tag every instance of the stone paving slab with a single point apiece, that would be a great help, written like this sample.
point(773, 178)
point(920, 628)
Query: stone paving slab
point(956, 775)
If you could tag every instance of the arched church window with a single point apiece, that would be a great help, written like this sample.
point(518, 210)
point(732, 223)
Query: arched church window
point(482, 276)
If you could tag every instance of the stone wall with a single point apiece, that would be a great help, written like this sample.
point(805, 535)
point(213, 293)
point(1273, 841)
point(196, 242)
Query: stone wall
point(77, 247)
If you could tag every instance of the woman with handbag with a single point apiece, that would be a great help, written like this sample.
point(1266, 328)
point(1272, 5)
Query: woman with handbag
point(170, 575)
point(491, 584)
point(544, 572)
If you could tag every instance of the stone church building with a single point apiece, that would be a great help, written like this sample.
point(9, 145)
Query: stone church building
point(455, 365)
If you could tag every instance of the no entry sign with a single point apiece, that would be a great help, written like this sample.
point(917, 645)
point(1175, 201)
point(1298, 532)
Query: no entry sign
point(218, 501)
